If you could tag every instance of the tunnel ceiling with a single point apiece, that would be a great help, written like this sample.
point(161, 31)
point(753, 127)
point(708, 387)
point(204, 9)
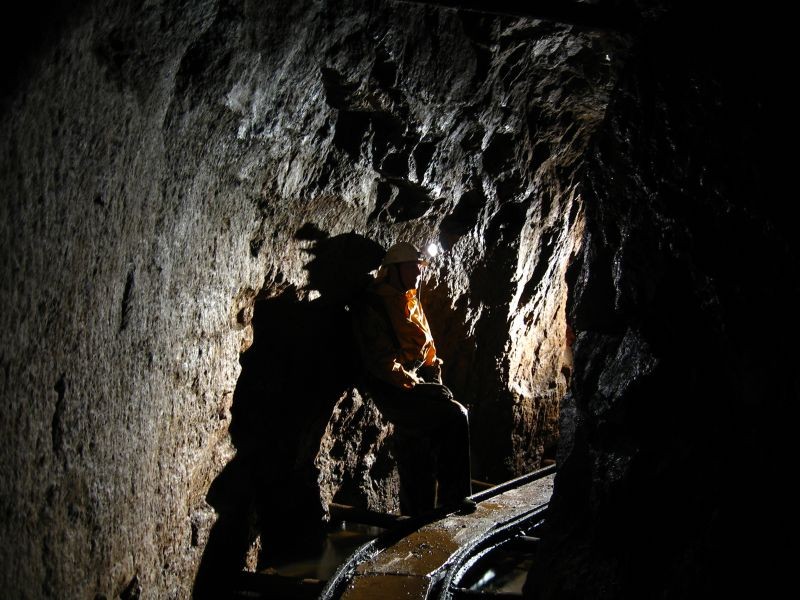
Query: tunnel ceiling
point(600, 15)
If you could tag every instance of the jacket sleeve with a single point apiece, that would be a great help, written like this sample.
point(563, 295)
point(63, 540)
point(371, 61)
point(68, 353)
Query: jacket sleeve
point(379, 354)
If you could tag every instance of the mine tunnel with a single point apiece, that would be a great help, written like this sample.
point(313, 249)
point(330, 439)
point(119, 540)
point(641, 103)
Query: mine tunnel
point(193, 192)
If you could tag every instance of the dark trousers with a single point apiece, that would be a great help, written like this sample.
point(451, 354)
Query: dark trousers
point(431, 435)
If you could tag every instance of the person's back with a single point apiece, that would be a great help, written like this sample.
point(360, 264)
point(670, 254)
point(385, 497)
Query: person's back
point(402, 374)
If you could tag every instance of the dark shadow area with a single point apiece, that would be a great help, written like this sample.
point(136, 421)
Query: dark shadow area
point(302, 360)
point(25, 37)
point(673, 482)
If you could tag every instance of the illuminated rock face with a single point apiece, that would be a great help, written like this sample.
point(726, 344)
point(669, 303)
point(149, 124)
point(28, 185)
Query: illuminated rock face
point(192, 191)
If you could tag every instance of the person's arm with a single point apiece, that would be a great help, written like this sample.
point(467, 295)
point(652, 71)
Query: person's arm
point(379, 352)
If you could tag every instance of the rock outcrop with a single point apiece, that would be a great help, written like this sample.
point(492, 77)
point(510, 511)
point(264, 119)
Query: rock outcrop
point(675, 435)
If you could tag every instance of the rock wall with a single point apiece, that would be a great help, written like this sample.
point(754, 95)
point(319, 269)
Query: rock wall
point(179, 180)
point(676, 438)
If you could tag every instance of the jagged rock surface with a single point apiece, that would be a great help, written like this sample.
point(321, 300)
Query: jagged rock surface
point(176, 177)
point(676, 441)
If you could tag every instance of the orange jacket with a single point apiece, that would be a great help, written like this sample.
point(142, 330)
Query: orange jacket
point(393, 356)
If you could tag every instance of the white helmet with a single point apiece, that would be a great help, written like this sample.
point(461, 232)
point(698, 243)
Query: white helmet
point(403, 252)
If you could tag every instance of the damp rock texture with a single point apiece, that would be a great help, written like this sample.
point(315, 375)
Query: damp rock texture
point(676, 437)
point(192, 192)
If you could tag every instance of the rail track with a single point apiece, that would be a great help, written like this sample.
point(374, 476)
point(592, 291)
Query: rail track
point(471, 551)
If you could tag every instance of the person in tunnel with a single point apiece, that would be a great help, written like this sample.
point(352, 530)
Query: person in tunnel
point(403, 376)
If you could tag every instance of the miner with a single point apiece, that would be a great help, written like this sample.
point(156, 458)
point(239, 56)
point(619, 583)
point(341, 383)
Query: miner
point(403, 376)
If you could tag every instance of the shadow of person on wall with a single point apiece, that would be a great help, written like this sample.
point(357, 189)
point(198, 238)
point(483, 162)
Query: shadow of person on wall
point(303, 358)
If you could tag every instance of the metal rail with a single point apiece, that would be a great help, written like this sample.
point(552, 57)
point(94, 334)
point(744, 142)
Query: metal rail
point(443, 582)
point(502, 517)
point(469, 555)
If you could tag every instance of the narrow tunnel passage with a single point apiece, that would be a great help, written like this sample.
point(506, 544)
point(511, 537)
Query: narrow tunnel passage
point(305, 439)
point(206, 149)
